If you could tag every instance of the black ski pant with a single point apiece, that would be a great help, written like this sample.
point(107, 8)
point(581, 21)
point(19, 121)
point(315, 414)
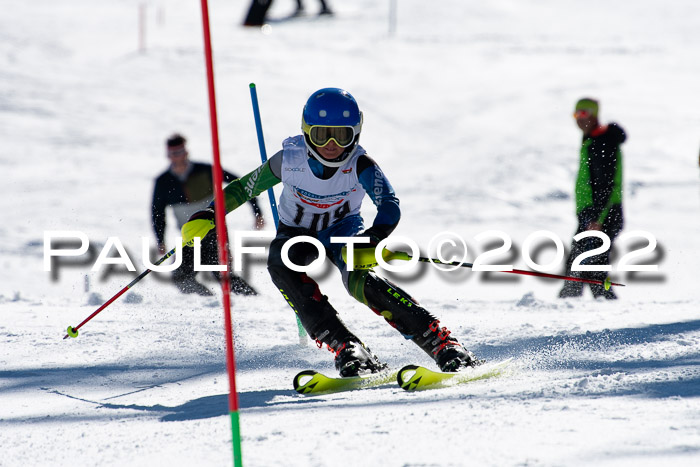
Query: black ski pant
point(209, 255)
point(611, 227)
point(321, 320)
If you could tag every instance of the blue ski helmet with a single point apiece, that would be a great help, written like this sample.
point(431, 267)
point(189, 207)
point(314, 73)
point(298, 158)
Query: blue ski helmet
point(331, 113)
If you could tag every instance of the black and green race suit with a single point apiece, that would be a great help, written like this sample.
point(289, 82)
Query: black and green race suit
point(313, 309)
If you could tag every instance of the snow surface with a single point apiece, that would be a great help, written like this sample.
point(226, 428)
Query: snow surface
point(468, 109)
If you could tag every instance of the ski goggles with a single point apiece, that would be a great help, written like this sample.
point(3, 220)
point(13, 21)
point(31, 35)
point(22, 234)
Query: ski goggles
point(177, 151)
point(320, 135)
point(582, 113)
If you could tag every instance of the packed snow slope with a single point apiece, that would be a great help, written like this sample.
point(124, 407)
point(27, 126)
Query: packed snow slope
point(468, 109)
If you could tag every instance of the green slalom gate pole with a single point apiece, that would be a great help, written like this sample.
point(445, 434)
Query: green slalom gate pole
point(220, 208)
point(270, 192)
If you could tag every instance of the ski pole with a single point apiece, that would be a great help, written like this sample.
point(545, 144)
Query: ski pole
point(365, 259)
point(270, 192)
point(199, 228)
point(73, 331)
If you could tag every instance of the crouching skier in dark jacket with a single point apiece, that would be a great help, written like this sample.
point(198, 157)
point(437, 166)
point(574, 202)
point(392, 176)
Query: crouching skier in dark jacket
point(326, 174)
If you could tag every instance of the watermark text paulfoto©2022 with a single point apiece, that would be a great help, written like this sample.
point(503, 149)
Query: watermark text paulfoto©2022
point(442, 244)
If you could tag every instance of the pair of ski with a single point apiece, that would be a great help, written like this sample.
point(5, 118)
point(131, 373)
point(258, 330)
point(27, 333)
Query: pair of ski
point(410, 378)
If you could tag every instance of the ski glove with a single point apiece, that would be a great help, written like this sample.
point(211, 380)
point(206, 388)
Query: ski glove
point(374, 234)
point(364, 254)
point(199, 225)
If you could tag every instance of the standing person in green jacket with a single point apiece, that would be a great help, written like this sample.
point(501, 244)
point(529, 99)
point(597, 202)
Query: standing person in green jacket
point(598, 194)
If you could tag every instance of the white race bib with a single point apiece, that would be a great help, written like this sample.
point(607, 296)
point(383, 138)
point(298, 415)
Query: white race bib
point(310, 202)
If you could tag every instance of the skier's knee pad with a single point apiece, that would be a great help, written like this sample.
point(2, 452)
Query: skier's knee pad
point(355, 284)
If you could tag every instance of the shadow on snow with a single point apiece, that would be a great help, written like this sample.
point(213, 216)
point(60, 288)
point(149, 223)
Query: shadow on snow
point(208, 406)
point(570, 351)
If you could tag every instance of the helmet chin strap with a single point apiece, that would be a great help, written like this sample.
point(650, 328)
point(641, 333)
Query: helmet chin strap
point(326, 162)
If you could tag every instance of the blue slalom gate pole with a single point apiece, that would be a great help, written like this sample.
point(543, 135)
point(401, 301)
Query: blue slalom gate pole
point(263, 152)
point(270, 192)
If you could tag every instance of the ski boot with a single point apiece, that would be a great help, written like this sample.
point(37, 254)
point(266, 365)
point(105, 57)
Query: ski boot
point(353, 359)
point(452, 356)
point(241, 287)
point(448, 353)
point(571, 289)
point(599, 289)
point(189, 285)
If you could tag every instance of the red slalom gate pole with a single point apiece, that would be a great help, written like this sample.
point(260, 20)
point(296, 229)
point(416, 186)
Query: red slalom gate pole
point(220, 209)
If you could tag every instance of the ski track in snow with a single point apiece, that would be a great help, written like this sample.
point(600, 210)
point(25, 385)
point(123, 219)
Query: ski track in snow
point(468, 110)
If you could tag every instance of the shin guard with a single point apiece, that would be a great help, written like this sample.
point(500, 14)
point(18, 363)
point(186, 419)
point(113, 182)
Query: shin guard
point(316, 314)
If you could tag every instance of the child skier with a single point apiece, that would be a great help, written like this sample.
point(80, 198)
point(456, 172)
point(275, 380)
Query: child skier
point(326, 174)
